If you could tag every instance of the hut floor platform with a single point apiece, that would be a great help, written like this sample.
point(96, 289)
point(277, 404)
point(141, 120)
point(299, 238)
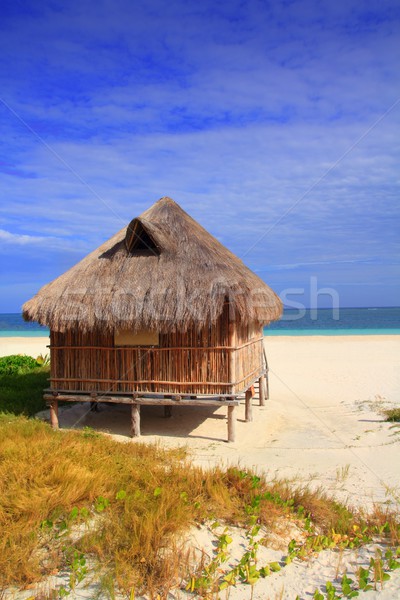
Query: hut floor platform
point(138, 399)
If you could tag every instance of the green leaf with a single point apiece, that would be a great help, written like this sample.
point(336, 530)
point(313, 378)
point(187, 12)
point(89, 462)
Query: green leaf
point(74, 513)
point(363, 576)
point(121, 495)
point(331, 591)
point(157, 492)
point(265, 571)
point(46, 524)
point(255, 530)
point(346, 585)
point(230, 578)
point(101, 504)
point(62, 526)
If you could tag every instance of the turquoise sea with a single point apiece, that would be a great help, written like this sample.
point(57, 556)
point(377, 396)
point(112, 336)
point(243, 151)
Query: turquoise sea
point(343, 321)
point(324, 321)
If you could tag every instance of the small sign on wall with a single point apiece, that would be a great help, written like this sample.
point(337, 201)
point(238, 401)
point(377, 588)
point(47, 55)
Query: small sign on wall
point(139, 338)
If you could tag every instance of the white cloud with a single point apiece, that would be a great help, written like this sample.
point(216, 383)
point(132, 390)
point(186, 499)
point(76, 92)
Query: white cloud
point(20, 239)
point(7, 238)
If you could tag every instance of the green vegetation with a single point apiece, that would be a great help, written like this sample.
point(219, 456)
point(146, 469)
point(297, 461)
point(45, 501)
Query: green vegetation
point(22, 380)
point(130, 504)
point(371, 578)
point(392, 414)
point(17, 364)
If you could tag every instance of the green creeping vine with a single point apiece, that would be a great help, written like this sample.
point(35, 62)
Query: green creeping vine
point(75, 560)
point(213, 578)
point(367, 579)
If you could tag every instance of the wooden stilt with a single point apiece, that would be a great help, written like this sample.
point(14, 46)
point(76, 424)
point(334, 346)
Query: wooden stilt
point(266, 387)
point(261, 390)
point(249, 406)
point(266, 383)
point(54, 414)
point(135, 420)
point(167, 412)
point(231, 424)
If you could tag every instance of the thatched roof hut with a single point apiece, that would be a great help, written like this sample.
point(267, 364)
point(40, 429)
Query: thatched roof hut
point(161, 308)
point(163, 272)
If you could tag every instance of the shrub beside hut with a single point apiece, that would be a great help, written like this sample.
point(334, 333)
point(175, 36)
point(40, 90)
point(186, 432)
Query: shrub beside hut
point(161, 313)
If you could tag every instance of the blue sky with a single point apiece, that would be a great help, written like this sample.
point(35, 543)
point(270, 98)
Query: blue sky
point(274, 124)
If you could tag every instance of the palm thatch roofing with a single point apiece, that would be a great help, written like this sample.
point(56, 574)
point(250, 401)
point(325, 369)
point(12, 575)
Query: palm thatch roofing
point(162, 272)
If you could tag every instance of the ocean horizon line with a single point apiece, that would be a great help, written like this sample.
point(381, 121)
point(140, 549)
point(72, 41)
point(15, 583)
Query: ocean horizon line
point(285, 308)
point(294, 322)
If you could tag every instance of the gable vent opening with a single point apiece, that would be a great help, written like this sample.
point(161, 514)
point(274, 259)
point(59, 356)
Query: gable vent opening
point(138, 240)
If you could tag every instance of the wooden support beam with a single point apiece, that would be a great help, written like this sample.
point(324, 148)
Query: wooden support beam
point(167, 412)
point(249, 406)
point(231, 424)
point(137, 399)
point(266, 386)
point(85, 395)
point(54, 413)
point(261, 391)
point(135, 420)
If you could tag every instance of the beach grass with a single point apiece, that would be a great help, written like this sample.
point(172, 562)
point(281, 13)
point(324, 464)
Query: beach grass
point(392, 414)
point(69, 498)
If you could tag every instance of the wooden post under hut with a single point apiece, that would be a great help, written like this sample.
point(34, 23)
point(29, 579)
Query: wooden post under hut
point(231, 424)
point(53, 405)
point(135, 420)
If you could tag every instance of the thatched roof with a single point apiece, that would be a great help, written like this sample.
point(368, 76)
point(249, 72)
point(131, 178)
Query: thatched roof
point(163, 272)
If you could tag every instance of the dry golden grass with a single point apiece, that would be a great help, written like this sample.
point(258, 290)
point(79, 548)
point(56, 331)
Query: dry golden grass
point(132, 502)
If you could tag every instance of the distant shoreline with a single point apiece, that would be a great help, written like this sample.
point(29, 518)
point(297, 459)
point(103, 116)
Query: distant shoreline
point(328, 332)
point(267, 333)
point(293, 323)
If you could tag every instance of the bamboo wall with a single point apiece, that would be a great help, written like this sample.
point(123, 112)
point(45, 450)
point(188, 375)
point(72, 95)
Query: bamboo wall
point(193, 362)
point(249, 355)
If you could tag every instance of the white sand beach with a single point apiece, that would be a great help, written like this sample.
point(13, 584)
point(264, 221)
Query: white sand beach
point(322, 425)
point(33, 346)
